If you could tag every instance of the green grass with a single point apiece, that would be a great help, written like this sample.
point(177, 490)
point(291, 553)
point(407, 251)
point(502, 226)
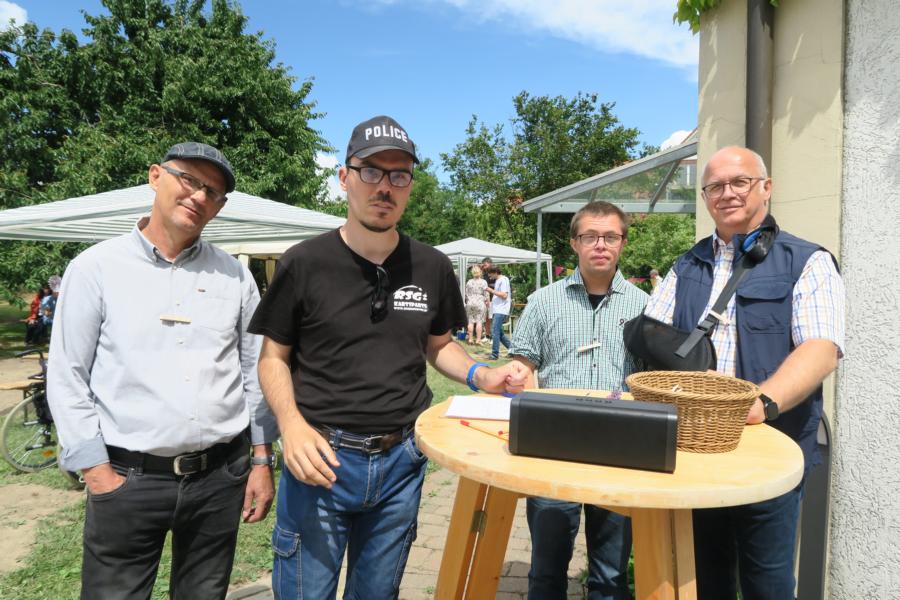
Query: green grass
point(52, 571)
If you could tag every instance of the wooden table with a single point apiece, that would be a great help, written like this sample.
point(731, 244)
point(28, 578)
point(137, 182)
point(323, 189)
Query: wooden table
point(765, 464)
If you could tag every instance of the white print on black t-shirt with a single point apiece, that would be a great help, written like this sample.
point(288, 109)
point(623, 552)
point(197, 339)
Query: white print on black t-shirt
point(411, 297)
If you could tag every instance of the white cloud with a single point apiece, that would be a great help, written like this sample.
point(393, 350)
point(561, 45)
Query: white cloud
point(10, 10)
point(676, 138)
point(329, 161)
point(642, 27)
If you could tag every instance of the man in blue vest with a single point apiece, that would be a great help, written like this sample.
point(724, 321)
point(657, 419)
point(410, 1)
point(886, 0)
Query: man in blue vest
point(784, 330)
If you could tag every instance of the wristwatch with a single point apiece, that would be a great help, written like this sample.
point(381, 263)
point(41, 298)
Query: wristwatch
point(268, 459)
point(770, 407)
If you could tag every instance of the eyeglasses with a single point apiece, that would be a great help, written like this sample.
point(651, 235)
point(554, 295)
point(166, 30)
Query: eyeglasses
point(196, 185)
point(379, 307)
point(398, 177)
point(738, 185)
point(590, 240)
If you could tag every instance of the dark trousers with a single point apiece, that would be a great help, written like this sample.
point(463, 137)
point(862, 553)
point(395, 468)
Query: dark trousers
point(753, 544)
point(124, 532)
point(554, 526)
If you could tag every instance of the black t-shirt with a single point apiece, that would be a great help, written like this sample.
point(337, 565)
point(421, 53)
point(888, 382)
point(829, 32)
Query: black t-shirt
point(596, 299)
point(349, 372)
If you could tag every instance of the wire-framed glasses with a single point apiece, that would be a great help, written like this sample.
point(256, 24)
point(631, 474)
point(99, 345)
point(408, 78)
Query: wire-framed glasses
point(195, 184)
point(589, 240)
point(379, 306)
point(738, 185)
point(398, 177)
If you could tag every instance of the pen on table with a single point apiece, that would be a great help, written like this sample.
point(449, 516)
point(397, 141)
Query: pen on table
point(483, 429)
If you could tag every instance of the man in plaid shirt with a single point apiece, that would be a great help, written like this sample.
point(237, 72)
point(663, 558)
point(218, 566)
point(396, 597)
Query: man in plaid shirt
point(784, 330)
point(570, 336)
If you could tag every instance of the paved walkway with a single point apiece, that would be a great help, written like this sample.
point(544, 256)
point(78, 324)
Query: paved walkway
point(425, 555)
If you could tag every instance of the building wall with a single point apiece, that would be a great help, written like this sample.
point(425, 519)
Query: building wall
point(865, 529)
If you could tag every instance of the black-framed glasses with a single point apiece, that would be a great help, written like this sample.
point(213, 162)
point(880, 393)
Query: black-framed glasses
point(379, 307)
point(738, 185)
point(398, 177)
point(590, 240)
point(196, 185)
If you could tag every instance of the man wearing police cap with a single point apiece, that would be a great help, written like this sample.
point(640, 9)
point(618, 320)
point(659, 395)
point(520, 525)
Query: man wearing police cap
point(349, 321)
point(152, 384)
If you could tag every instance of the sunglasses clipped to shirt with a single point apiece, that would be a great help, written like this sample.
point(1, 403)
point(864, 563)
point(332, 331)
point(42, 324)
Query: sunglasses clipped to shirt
point(379, 308)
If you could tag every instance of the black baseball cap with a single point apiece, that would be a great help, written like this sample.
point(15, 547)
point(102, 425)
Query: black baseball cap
point(377, 135)
point(201, 151)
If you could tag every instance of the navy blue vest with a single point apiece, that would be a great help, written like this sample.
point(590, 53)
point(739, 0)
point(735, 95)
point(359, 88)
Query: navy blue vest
point(763, 319)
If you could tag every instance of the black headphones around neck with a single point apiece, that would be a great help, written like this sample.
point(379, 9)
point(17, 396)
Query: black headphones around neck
point(759, 241)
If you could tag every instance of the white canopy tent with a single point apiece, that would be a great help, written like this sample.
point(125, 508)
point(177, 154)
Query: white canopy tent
point(471, 250)
point(246, 226)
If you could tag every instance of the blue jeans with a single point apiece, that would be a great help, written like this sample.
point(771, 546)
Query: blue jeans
point(497, 334)
point(370, 512)
point(753, 543)
point(554, 525)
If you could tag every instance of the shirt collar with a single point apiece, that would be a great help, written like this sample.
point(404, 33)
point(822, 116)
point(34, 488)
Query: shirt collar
point(617, 285)
point(719, 245)
point(153, 254)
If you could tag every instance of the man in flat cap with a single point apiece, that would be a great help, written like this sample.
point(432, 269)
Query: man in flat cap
point(349, 321)
point(153, 387)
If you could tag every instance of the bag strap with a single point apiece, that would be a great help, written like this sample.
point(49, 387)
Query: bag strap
point(756, 247)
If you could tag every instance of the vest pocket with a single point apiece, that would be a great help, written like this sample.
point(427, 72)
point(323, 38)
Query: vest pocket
point(764, 306)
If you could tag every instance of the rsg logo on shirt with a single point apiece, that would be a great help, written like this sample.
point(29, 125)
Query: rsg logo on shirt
point(411, 297)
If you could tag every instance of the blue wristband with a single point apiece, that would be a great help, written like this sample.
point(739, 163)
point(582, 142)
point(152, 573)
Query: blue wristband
point(471, 385)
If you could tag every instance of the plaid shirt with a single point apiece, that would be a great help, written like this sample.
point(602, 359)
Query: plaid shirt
point(572, 344)
point(817, 305)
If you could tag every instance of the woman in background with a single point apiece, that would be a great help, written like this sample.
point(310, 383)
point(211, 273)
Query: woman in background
point(476, 304)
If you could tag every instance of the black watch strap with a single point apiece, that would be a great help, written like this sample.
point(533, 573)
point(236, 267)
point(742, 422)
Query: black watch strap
point(770, 407)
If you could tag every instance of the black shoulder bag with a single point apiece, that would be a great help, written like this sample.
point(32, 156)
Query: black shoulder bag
point(663, 347)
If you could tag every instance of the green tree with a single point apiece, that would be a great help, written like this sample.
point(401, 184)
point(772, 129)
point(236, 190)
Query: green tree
point(654, 242)
point(429, 199)
point(79, 118)
point(551, 142)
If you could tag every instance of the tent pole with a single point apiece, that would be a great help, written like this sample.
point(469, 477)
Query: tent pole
point(537, 265)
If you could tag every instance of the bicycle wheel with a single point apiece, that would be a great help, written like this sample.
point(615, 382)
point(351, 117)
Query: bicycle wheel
point(28, 444)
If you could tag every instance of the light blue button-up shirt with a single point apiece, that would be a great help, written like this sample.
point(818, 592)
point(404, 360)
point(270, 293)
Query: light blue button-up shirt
point(154, 356)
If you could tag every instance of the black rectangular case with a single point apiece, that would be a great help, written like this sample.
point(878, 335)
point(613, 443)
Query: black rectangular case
point(603, 431)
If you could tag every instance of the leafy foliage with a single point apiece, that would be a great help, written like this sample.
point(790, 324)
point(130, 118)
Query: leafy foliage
point(552, 142)
point(436, 214)
point(689, 11)
point(80, 118)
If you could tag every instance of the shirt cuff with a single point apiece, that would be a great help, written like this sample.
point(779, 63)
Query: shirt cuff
point(85, 455)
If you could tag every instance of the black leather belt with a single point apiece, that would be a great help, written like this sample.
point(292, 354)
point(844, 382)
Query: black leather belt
point(183, 464)
point(367, 444)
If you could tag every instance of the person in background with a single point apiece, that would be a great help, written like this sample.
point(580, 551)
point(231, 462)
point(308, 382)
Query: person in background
point(501, 304)
point(34, 324)
point(654, 279)
point(487, 266)
point(48, 302)
point(349, 322)
point(476, 304)
point(152, 384)
point(570, 336)
point(783, 330)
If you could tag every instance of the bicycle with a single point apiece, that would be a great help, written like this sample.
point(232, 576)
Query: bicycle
point(28, 437)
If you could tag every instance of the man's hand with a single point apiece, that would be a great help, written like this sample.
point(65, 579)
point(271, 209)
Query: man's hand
point(259, 494)
point(757, 413)
point(101, 479)
point(510, 378)
point(304, 450)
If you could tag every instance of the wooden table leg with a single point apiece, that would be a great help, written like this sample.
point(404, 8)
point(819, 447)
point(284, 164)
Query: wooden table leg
point(490, 547)
point(663, 554)
point(461, 535)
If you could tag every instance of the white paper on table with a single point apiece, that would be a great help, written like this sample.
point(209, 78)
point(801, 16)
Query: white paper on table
point(478, 407)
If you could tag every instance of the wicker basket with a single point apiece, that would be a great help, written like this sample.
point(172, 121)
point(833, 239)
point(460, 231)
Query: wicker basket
point(712, 409)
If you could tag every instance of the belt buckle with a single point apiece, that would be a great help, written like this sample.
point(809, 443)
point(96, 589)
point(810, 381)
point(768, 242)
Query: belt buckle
point(372, 445)
point(177, 463)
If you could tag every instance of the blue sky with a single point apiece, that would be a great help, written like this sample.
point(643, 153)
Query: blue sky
point(432, 64)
